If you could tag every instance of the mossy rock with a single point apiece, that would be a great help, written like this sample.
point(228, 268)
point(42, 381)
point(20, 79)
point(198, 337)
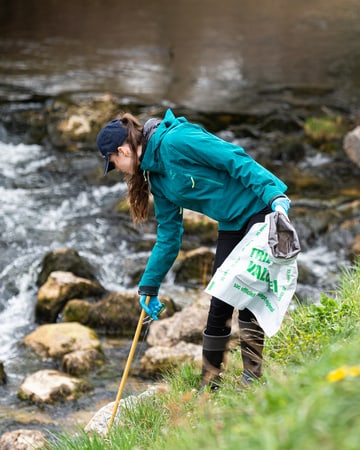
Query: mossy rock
point(194, 268)
point(57, 339)
point(325, 128)
point(206, 230)
point(77, 310)
point(59, 288)
point(82, 362)
point(65, 260)
point(117, 314)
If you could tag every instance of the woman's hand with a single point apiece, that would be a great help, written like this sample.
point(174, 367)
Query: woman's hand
point(281, 204)
point(153, 308)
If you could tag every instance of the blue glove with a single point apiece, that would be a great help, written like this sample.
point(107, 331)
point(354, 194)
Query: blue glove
point(154, 308)
point(281, 204)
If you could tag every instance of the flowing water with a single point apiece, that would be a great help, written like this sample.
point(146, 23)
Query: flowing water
point(204, 54)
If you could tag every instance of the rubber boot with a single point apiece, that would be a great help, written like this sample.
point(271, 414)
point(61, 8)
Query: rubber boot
point(252, 344)
point(214, 351)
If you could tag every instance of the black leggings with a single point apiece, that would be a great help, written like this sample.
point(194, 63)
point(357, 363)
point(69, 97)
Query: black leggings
point(220, 313)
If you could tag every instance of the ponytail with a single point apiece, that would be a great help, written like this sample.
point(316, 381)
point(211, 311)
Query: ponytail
point(138, 187)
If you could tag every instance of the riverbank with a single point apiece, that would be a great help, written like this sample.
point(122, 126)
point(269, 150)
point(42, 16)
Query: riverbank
point(310, 399)
point(54, 196)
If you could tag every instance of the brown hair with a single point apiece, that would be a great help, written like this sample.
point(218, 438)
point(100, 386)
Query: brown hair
point(138, 187)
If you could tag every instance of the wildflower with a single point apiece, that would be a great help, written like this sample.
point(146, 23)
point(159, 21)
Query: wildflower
point(343, 372)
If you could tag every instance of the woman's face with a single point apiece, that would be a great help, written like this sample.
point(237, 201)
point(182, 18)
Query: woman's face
point(123, 160)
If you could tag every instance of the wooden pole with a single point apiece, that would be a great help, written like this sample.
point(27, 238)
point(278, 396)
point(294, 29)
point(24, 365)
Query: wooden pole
point(127, 366)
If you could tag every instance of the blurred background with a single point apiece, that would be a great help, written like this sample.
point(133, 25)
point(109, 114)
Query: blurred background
point(205, 53)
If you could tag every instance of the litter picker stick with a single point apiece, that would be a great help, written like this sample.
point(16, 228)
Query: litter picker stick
point(127, 367)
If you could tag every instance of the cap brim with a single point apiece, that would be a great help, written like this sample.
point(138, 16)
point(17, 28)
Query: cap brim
point(108, 165)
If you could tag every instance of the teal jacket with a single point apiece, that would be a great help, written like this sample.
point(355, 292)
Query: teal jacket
point(188, 167)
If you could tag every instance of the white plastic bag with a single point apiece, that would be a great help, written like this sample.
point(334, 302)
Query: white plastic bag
point(260, 274)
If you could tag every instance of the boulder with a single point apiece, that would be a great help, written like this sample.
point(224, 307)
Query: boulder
point(74, 122)
point(2, 374)
point(56, 340)
point(65, 260)
point(100, 422)
point(157, 360)
point(324, 128)
point(186, 325)
point(199, 229)
point(356, 246)
point(81, 362)
point(352, 145)
point(77, 310)
point(194, 267)
point(23, 439)
point(179, 338)
point(49, 386)
point(117, 314)
point(59, 288)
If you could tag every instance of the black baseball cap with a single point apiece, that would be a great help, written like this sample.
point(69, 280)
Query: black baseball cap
point(111, 136)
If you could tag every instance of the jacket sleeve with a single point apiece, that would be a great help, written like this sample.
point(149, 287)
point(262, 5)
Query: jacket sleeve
point(203, 148)
point(168, 242)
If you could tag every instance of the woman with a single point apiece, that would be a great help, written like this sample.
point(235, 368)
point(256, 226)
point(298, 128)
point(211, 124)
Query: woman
point(184, 166)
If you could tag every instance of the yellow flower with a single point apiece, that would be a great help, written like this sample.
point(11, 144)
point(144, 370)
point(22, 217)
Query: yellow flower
point(343, 372)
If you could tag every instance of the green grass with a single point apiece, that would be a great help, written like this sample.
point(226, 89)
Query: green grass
point(299, 407)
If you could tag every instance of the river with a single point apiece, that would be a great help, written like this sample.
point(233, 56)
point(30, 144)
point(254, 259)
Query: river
point(206, 54)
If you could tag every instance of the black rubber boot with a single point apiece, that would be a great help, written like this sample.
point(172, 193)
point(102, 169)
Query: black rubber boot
point(252, 344)
point(214, 350)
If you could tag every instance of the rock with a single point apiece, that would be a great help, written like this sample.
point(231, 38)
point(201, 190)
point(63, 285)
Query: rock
point(194, 267)
point(352, 145)
point(74, 122)
point(2, 374)
point(23, 439)
point(306, 274)
point(186, 325)
point(65, 260)
point(100, 422)
point(77, 310)
point(199, 229)
point(283, 121)
point(291, 148)
point(160, 359)
point(58, 289)
point(75, 125)
point(324, 128)
point(116, 314)
point(49, 386)
point(356, 246)
point(56, 340)
point(81, 362)
point(169, 337)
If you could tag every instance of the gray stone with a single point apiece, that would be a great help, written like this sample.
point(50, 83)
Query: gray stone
point(352, 145)
point(23, 439)
point(49, 386)
point(100, 422)
point(160, 359)
point(57, 339)
point(81, 362)
point(59, 288)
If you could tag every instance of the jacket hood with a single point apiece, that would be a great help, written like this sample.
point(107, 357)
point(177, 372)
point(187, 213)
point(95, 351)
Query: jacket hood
point(151, 159)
